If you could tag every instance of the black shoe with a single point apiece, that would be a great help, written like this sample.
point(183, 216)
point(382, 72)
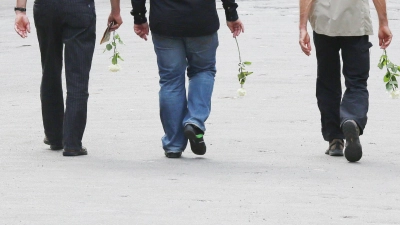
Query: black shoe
point(173, 154)
point(53, 147)
point(335, 148)
point(353, 150)
point(195, 136)
point(82, 151)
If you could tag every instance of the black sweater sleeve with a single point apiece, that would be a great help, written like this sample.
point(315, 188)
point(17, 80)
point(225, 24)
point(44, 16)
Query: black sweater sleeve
point(139, 11)
point(230, 10)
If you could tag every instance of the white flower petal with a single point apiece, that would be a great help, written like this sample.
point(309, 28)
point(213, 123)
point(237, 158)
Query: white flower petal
point(395, 94)
point(241, 92)
point(114, 68)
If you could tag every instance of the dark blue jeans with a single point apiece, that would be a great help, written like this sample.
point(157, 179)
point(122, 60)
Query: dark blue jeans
point(68, 25)
point(334, 108)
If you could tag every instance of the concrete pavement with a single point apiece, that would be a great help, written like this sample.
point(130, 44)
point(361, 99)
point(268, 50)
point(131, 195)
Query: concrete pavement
point(265, 162)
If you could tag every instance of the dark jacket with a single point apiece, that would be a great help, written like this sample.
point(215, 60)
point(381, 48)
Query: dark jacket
point(183, 18)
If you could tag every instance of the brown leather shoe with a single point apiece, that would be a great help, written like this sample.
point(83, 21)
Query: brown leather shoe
point(70, 152)
point(335, 148)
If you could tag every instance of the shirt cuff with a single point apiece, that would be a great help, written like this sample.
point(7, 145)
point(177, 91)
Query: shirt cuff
point(231, 13)
point(139, 17)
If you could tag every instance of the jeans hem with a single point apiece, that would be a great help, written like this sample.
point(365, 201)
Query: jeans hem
point(195, 124)
point(174, 151)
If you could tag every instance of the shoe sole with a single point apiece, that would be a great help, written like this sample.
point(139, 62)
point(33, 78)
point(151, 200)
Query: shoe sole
point(173, 155)
point(197, 148)
point(353, 150)
point(55, 147)
point(335, 152)
point(73, 153)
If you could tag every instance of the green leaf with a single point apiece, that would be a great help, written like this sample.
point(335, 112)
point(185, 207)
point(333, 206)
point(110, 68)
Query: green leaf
point(108, 47)
point(119, 57)
point(388, 87)
point(242, 77)
point(247, 63)
point(383, 57)
point(390, 65)
point(394, 83)
point(386, 78)
point(114, 60)
point(114, 44)
point(382, 61)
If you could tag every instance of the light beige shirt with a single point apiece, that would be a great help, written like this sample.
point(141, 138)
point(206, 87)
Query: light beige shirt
point(341, 17)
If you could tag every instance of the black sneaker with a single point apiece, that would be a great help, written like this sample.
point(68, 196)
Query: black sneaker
point(353, 150)
point(82, 151)
point(52, 147)
point(195, 136)
point(173, 154)
point(335, 148)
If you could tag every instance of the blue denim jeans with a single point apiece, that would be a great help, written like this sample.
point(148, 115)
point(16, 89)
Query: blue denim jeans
point(175, 55)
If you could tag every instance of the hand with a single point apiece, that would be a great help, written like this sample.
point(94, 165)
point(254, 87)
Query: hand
point(385, 36)
point(305, 42)
point(22, 25)
point(236, 27)
point(116, 18)
point(142, 30)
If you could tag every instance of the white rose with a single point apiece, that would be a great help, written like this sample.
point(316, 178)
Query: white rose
point(395, 94)
point(241, 92)
point(114, 68)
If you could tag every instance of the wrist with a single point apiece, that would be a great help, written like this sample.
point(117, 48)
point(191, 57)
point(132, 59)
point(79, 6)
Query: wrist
point(383, 23)
point(19, 13)
point(303, 28)
point(116, 11)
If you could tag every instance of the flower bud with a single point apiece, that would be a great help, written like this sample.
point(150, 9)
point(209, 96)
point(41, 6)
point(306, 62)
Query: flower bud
point(395, 94)
point(114, 68)
point(241, 92)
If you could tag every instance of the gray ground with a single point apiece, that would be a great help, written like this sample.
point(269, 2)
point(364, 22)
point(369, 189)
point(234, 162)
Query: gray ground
point(265, 162)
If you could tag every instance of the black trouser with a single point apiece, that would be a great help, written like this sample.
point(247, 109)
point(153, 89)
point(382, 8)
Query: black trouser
point(71, 23)
point(356, 64)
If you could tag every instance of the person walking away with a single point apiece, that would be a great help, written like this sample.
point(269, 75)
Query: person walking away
point(68, 25)
point(342, 25)
point(185, 38)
